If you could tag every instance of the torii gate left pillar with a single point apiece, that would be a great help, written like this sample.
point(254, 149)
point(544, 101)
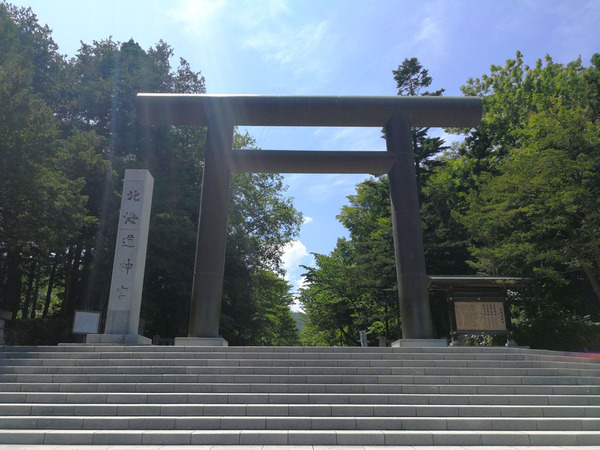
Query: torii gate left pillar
point(207, 288)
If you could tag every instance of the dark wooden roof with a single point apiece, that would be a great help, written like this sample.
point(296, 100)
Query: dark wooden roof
point(458, 281)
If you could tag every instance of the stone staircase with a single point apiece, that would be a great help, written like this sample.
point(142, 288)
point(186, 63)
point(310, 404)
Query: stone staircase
point(140, 395)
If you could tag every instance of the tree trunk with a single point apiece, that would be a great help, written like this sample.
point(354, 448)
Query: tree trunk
point(589, 224)
point(590, 273)
point(591, 276)
point(2, 278)
point(29, 290)
point(87, 302)
point(35, 298)
point(67, 271)
point(50, 286)
point(387, 322)
point(76, 287)
point(12, 291)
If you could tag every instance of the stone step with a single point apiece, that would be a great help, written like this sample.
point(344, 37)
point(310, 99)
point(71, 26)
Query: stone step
point(345, 399)
point(85, 348)
point(299, 363)
point(297, 352)
point(299, 437)
point(238, 388)
point(297, 423)
point(466, 350)
point(294, 363)
point(292, 352)
point(320, 410)
point(301, 379)
point(437, 353)
point(327, 371)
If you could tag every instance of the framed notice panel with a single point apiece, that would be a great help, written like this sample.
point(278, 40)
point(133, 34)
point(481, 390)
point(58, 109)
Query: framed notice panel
point(480, 315)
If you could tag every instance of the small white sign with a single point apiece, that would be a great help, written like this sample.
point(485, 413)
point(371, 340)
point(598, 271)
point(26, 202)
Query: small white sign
point(86, 322)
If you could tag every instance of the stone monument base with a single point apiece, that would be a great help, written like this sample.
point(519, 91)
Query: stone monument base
point(129, 339)
point(201, 341)
point(420, 343)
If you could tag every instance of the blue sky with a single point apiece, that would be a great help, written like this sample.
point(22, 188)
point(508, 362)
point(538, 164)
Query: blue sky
point(330, 47)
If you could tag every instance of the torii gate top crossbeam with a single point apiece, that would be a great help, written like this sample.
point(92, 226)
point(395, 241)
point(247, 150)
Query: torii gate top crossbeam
point(318, 111)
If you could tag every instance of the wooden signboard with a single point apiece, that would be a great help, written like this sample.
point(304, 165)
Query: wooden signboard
point(481, 316)
point(477, 305)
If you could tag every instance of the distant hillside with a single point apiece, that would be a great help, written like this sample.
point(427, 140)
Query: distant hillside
point(298, 318)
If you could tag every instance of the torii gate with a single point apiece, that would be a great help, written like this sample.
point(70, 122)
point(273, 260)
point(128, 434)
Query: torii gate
point(221, 113)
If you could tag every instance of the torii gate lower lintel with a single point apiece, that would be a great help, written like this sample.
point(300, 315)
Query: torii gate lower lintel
point(221, 113)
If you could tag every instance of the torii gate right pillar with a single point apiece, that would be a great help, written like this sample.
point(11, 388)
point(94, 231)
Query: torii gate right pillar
point(411, 274)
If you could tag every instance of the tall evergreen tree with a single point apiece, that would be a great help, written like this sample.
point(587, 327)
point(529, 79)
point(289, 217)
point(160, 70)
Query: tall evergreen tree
point(41, 203)
point(67, 134)
point(411, 78)
point(532, 210)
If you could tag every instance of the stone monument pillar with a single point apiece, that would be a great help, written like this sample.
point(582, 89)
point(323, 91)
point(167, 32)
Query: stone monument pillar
point(125, 299)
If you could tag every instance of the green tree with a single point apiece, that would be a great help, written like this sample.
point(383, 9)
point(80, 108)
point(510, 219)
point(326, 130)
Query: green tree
point(368, 219)
point(539, 217)
point(411, 78)
point(446, 238)
point(332, 300)
point(533, 209)
point(67, 135)
point(105, 78)
point(272, 320)
point(514, 91)
point(261, 221)
point(41, 203)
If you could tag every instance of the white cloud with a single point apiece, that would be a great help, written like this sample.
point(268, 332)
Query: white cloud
point(435, 25)
point(296, 306)
point(430, 30)
point(306, 220)
point(301, 282)
point(202, 16)
point(294, 254)
point(254, 14)
point(331, 186)
point(298, 284)
point(293, 46)
point(447, 137)
point(198, 16)
point(281, 37)
point(349, 138)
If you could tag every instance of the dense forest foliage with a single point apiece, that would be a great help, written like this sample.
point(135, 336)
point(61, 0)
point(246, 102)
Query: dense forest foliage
point(519, 196)
point(67, 134)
